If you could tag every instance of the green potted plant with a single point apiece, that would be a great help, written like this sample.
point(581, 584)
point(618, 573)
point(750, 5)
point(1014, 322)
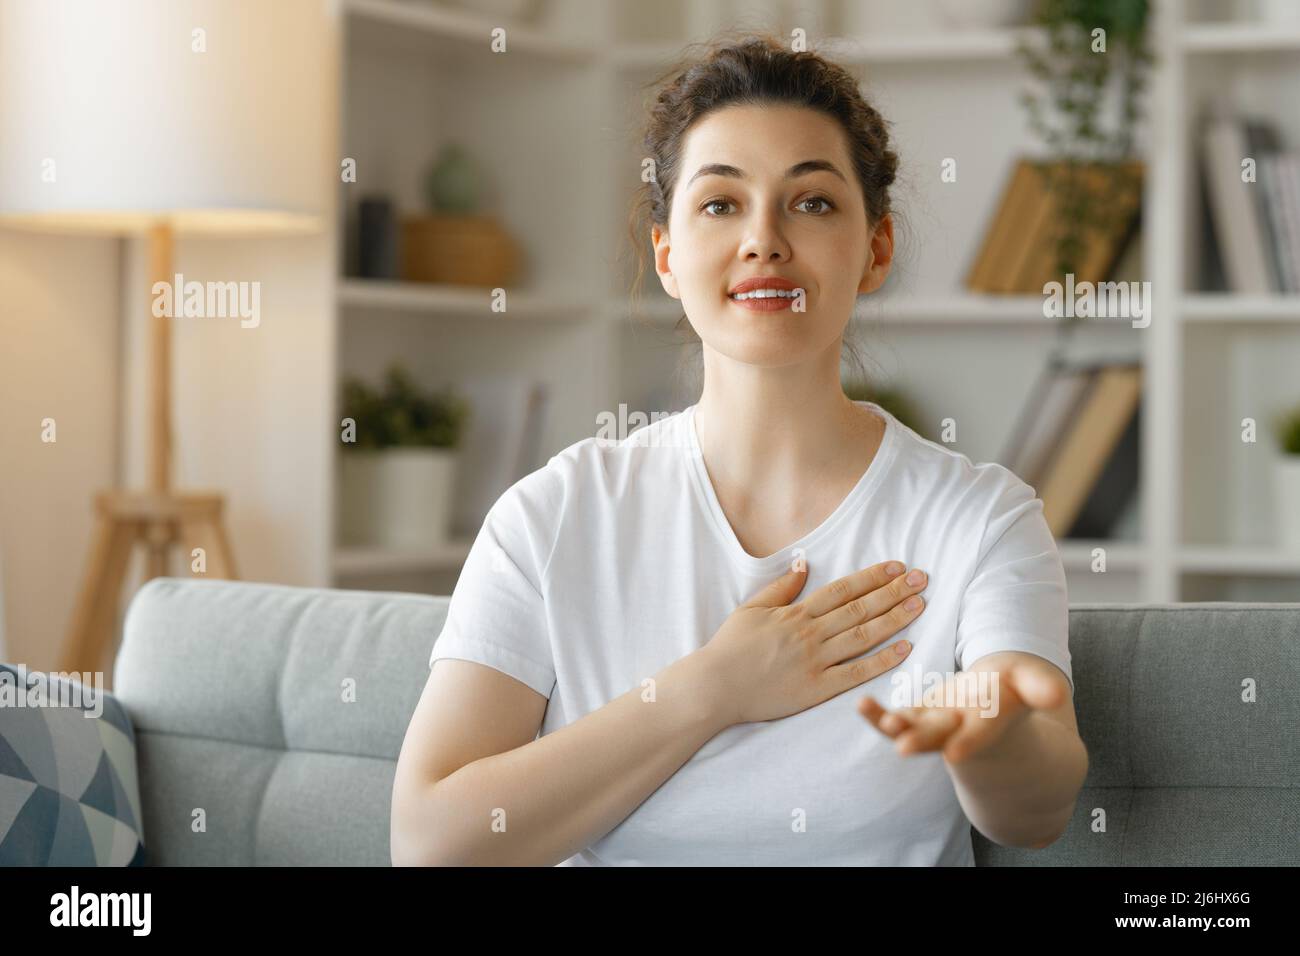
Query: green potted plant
point(398, 466)
point(1287, 476)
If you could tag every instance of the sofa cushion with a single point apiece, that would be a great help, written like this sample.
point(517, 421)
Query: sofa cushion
point(68, 788)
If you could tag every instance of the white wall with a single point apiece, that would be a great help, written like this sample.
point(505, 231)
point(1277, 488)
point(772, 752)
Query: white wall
point(58, 359)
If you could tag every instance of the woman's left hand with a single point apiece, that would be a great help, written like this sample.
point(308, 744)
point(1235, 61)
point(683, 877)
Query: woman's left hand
point(987, 713)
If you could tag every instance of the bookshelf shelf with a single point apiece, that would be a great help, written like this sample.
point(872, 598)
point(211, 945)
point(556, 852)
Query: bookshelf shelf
point(1229, 308)
point(456, 34)
point(973, 46)
point(360, 560)
point(970, 308)
point(1076, 554)
point(469, 302)
point(900, 309)
point(970, 47)
point(1240, 38)
point(1238, 560)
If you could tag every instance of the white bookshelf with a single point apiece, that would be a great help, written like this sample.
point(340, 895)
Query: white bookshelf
point(555, 118)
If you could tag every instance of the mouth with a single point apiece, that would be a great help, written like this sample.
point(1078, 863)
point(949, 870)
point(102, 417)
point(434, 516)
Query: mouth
point(766, 300)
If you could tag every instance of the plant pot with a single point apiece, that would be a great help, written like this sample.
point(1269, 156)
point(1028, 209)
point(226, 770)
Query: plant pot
point(396, 497)
point(983, 14)
point(462, 250)
point(1287, 482)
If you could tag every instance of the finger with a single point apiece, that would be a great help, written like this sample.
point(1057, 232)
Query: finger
point(781, 591)
point(930, 732)
point(842, 590)
point(852, 673)
point(969, 740)
point(961, 746)
point(881, 612)
point(1039, 687)
point(887, 722)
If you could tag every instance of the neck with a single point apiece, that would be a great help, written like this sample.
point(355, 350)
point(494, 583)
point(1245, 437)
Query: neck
point(765, 427)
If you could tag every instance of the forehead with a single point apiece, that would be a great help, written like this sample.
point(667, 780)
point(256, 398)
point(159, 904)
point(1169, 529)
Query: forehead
point(764, 141)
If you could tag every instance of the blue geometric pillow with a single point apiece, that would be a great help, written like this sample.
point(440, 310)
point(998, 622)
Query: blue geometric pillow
point(68, 790)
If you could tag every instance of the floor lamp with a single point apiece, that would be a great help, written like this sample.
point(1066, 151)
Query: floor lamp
point(205, 118)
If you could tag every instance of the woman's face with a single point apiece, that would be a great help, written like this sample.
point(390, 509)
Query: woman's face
point(756, 220)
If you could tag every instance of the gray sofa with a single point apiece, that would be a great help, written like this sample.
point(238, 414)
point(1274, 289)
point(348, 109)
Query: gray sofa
point(280, 711)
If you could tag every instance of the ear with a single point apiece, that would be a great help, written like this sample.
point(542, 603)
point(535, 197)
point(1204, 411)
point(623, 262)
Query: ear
point(659, 240)
point(880, 256)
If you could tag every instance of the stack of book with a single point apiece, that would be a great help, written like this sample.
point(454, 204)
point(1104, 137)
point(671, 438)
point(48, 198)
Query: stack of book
point(1019, 252)
point(1252, 187)
point(1077, 445)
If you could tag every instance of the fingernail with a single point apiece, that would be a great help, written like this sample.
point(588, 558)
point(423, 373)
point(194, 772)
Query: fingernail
point(915, 578)
point(902, 647)
point(893, 568)
point(912, 603)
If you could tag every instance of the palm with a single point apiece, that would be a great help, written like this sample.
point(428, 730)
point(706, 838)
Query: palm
point(968, 712)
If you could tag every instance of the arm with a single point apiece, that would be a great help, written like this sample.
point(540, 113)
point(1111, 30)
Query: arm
point(473, 786)
point(1021, 790)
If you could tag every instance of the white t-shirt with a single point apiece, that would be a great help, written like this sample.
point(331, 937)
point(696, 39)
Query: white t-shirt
point(615, 559)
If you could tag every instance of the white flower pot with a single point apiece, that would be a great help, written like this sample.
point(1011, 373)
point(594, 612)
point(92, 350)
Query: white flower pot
point(1287, 482)
point(396, 497)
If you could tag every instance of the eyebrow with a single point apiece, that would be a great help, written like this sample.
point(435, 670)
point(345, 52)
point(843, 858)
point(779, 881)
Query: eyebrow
point(798, 169)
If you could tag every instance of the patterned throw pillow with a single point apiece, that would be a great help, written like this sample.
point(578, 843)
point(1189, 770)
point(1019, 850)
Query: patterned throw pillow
point(68, 790)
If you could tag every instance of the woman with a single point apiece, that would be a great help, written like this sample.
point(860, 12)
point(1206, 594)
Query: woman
point(696, 617)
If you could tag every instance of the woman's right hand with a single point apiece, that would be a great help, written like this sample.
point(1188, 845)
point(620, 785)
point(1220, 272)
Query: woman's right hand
point(771, 658)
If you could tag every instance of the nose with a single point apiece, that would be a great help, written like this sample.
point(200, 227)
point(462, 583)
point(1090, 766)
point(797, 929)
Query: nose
point(764, 240)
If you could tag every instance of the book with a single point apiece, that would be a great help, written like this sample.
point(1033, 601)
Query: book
point(1051, 406)
point(1101, 246)
point(1093, 435)
point(1285, 210)
point(1235, 210)
point(1077, 443)
point(1001, 238)
point(1035, 236)
point(1264, 146)
point(1019, 251)
point(1116, 488)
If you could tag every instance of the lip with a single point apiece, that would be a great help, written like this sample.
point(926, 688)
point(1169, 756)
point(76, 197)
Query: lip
point(761, 282)
point(773, 304)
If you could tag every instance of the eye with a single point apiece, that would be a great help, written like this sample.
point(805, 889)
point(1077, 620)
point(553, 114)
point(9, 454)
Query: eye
point(821, 199)
point(714, 202)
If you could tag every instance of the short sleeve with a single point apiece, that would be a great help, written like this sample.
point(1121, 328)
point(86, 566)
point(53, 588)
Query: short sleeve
point(1017, 599)
point(496, 615)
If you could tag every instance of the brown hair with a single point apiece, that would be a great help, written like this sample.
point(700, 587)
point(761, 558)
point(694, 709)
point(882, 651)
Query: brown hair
point(754, 69)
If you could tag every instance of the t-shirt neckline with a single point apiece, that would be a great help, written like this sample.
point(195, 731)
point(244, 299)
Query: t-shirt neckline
point(855, 499)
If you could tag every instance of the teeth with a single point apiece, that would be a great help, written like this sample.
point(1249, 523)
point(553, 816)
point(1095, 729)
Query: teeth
point(768, 294)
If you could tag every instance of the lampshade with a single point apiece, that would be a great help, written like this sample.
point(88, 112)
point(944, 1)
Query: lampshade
point(216, 116)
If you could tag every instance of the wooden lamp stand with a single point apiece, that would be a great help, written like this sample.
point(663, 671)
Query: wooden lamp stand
point(157, 518)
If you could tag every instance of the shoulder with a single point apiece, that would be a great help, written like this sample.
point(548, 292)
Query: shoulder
point(963, 500)
point(947, 477)
point(600, 465)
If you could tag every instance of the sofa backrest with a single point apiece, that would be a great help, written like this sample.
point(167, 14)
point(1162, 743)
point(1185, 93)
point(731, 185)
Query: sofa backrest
point(1190, 715)
point(269, 719)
